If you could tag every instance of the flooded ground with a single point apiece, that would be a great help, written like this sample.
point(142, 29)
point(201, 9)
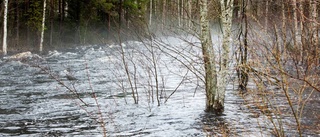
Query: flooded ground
point(34, 102)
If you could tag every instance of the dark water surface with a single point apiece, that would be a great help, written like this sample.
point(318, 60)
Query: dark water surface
point(33, 103)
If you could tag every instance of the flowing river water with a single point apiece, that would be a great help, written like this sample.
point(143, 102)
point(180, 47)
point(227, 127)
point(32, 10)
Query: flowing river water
point(34, 103)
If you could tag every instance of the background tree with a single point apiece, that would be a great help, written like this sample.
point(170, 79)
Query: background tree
point(43, 25)
point(5, 20)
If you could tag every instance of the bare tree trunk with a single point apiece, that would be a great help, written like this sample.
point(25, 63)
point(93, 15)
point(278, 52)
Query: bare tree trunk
point(284, 29)
point(295, 24)
point(155, 71)
point(43, 22)
point(63, 10)
point(164, 13)
point(226, 11)
point(314, 31)
point(51, 20)
point(302, 21)
point(179, 13)
point(150, 15)
point(243, 49)
point(17, 23)
point(314, 21)
point(120, 13)
point(189, 13)
point(266, 15)
point(4, 44)
point(208, 57)
point(302, 36)
point(27, 7)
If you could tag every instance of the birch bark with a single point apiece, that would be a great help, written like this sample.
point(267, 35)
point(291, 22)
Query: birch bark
point(226, 18)
point(208, 57)
point(43, 22)
point(4, 44)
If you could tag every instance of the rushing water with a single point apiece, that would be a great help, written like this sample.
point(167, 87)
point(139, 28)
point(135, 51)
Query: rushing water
point(33, 103)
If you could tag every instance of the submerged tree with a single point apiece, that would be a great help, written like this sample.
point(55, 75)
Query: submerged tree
point(242, 57)
point(215, 82)
point(226, 18)
point(208, 58)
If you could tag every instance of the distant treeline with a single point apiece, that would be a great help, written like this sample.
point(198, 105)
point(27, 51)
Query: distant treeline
point(68, 21)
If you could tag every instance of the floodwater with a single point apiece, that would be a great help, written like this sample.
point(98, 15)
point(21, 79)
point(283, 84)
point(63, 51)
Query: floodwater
point(34, 100)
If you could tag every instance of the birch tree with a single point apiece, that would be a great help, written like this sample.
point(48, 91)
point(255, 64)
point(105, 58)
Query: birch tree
point(295, 23)
point(215, 82)
point(208, 57)
point(42, 28)
point(4, 44)
point(226, 18)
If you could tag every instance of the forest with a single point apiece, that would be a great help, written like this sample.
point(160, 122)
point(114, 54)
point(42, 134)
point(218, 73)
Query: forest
point(132, 62)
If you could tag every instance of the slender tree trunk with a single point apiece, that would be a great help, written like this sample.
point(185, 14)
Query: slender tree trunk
point(314, 31)
point(51, 20)
point(4, 44)
point(295, 24)
point(284, 28)
point(126, 16)
point(43, 23)
point(109, 22)
point(267, 15)
point(242, 72)
point(226, 11)
point(208, 57)
point(27, 6)
point(314, 21)
point(302, 21)
point(150, 15)
point(61, 17)
point(154, 61)
point(155, 9)
point(258, 8)
point(189, 13)
point(17, 23)
point(302, 36)
point(63, 8)
point(60, 10)
point(179, 13)
point(164, 9)
point(183, 14)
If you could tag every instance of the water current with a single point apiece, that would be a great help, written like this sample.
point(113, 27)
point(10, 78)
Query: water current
point(34, 102)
